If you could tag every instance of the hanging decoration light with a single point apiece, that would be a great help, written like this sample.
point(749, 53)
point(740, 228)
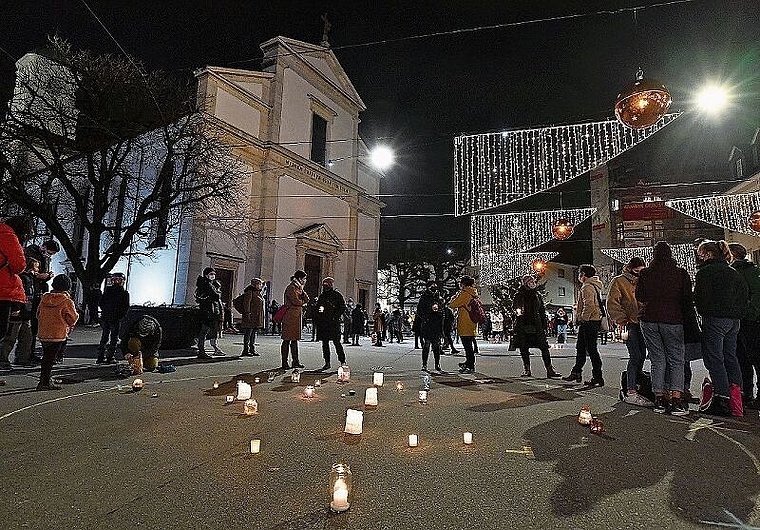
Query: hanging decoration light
point(562, 229)
point(496, 269)
point(683, 254)
point(495, 169)
point(539, 266)
point(643, 103)
point(732, 212)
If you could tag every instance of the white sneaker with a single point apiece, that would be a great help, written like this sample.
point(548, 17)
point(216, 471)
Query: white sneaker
point(636, 399)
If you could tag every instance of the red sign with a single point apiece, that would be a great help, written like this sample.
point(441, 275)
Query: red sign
point(646, 211)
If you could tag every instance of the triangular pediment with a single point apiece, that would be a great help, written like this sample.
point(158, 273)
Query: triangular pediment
point(319, 232)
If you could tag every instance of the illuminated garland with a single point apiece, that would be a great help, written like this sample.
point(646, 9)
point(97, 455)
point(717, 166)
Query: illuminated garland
point(683, 254)
point(496, 269)
point(511, 233)
point(731, 212)
point(495, 169)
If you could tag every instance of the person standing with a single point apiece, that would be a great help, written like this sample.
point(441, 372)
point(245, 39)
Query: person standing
point(721, 297)
point(589, 314)
point(347, 320)
point(330, 309)
point(560, 324)
point(253, 316)
point(295, 298)
point(57, 316)
point(357, 324)
point(276, 326)
point(378, 320)
point(531, 325)
point(449, 328)
point(20, 327)
point(114, 305)
point(623, 309)
point(424, 313)
point(748, 343)
point(432, 333)
point(13, 233)
point(42, 253)
point(466, 328)
point(208, 296)
point(93, 303)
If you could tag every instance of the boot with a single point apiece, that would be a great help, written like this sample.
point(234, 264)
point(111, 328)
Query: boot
point(526, 371)
point(719, 406)
point(284, 355)
point(101, 358)
point(550, 372)
point(573, 377)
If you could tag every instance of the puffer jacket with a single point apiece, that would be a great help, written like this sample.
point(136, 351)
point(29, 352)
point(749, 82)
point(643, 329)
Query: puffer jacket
point(588, 301)
point(56, 315)
point(465, 326)
point(622, 306)
point(12, 263)
point(751, 275)
point(719, 291)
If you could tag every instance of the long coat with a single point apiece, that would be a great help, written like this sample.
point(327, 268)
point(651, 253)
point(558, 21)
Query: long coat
point(295, 299)
point(12, 263)
point(253, 309)
point(208, 295)
point(531, 324)
point(465, 326)
point(330, 308)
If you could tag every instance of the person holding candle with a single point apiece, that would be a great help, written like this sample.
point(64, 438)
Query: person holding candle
point(253, 316)
point(531, 325)
point(466, 328)
point(330, 309)
point(295, 298)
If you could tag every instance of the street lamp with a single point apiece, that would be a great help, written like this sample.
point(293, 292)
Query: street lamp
point(712, 99)
point(382, 157)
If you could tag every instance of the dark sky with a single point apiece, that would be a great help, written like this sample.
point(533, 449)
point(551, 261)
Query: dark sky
point(422, 92)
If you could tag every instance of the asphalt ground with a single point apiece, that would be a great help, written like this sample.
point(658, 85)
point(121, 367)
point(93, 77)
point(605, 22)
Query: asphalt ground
point(175, 455)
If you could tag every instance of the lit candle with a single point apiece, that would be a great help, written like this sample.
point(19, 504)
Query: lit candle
point(413, 440)
point(340, 496)
point(318, 382)
point(370, 397)
point(597, 427)
point(624, 335)
point(243, 391)
point(344, 373)
point(250, 407)
point(271, 377)
point(308, 391)
point(255, 446)
point(354, 420)
point(257, 380)
point(377, 379)
point(216, 385)
point(468, 438)
point(423, 397)
point(399, 386)
point(230, 399)
point(584, 417)
point(296, 376)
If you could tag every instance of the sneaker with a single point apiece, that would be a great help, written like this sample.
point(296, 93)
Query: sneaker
point(438, 368)
point(594, 382)
point(718, 407)
point(526, 373)
point(466, 370)
point(325, 367)
point(296, 364)
point(424, 368)
point(634, 398)
point(660, 405)
point(678, 407)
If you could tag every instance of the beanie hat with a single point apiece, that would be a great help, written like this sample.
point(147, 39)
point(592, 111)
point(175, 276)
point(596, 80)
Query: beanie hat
point(61, 283)
point(635, 262)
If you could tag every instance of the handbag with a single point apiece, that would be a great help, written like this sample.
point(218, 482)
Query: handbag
point(605, 323)
point(279, 316)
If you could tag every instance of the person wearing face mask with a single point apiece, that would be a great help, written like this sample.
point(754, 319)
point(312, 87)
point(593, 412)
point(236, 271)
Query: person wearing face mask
point(623, 309)
point(427, 300)
point(295, 298)
point(330, 309)
point(530, 326)
point(208, 296)
point(114, 305)
point(253, 316)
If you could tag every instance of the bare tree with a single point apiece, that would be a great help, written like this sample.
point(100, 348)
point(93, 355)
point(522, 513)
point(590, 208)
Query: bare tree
point(403, 280)
point(110, 158)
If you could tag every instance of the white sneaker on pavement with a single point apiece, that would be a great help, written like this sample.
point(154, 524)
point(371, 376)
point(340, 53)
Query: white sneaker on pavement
point(636, 399)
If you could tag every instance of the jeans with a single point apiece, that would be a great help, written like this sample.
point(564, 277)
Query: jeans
point(21, 332)
point(637, 352)
point(561, 333)
point(249, 340)
point(110, 329)
point(719, 336)
point(468, 342)
point(667, 353)
point(338, 350)
point(748, 353)
point(588, 332)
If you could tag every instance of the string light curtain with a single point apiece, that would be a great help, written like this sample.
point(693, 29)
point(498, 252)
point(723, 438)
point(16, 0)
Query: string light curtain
point(731, 212)
point(511, 233)
point(683, 254)
point(495, 169)
point(497, 269)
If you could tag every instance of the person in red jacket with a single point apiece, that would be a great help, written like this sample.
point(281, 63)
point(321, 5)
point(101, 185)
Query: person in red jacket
point(13, 233)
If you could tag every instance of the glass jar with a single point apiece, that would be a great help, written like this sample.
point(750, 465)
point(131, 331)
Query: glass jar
point(340, 487)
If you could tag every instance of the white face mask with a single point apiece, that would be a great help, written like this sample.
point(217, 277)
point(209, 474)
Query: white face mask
point(211, 277)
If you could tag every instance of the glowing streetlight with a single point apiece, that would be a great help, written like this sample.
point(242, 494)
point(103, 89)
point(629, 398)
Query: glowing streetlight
point(712, 99)
point(382, 157)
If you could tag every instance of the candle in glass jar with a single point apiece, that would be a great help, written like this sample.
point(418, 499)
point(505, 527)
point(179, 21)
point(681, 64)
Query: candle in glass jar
point(317, 382)
point(413, 440)
point(308, 391)
point(377, 379)
point(399, 386)
point(370, 397)
point(230, 399)
point(216, 385)
point(255, 447)
point(250, 407)
point(257, 380)
point(423, 396)
point(467, 438)
point(340, 496)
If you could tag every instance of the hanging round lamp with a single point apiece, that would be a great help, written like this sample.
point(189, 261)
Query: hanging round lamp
point(562, 229)
point(643, 103)
point(538, 265)
point(754, 221)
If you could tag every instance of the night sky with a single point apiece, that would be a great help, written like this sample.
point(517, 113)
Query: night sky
point(422, 92)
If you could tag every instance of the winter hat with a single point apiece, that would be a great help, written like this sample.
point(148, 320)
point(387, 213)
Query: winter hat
point(328, 281)
point(208, 270)
point(61, 283)
point(662, 251)
point(635, 262)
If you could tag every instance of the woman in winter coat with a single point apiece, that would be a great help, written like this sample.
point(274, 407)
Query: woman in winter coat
point(466, 328)
point(531, 324)
point(208, 295)
point(13, 233)
point(721, 297)
point(589, 314)
point(295, 299)
point(253, 316)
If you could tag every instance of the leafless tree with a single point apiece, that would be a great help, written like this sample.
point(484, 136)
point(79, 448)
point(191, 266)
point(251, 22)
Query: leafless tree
point(111, 158)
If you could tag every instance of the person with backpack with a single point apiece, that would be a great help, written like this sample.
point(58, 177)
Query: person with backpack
point(469, 307)
point(664, 292)
point(748, 344)
point(531, 325)
point(251, 305)
point(114, 305)
point(589, 315)
point(623, 309)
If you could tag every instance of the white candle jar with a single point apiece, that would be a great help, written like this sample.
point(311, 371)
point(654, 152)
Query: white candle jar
point(377, 379)
point(250, 407)
point(340, 487)
point(370, 397)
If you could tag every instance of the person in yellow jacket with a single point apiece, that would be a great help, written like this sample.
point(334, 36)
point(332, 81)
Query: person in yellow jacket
point(466, 328)
point(57, 316)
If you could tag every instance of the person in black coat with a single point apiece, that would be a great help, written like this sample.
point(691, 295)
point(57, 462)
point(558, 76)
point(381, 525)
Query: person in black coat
point(427, 300)
point(114, 304)
point(531, 324)
point(357, 324)
point(208, 295)
point(329, 311)
point(432, 333)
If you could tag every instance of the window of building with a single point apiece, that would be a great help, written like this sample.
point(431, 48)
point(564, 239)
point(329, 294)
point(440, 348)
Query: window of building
point(560, 273)
point(561, 291)
point(318, 139)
